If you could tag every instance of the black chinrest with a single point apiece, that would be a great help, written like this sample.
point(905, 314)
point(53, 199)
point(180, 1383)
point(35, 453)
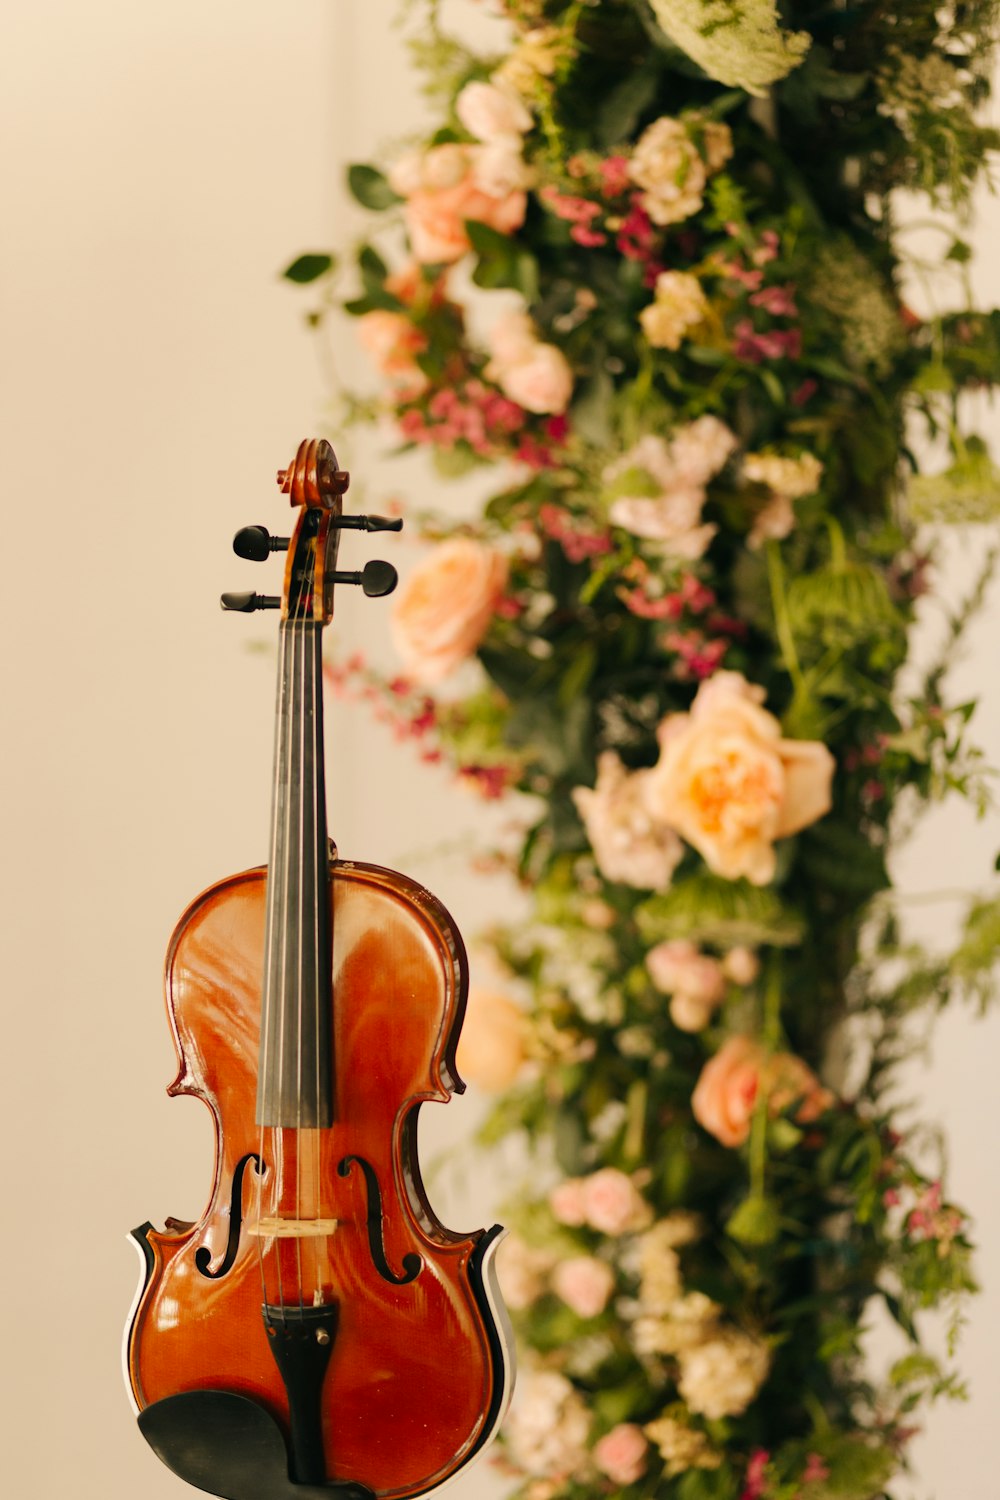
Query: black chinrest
point(230, 1446)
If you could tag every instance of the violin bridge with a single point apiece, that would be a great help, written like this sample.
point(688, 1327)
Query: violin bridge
point(271, 1226)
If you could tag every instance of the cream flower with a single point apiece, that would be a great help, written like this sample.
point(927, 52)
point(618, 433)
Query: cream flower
point(729, 784)
point(679, 304)
point(489, 111)
point(793, 477)
point(628, 845)
point(522, 1271)
point(445, 607)
point(681, 467)
point(681, 1447)
point(491, 1048)
point(720, 1377)
point(667, 165)
point(548, 1425)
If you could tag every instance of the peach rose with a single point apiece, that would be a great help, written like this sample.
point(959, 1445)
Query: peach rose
point(726, 1094)
point(542, 382)
point(445, 607)
point(584, 1284)
point(535, 375)
point(491, 1046)
point(393, 344)
point(451, 184)
point(621, 1453)
point(567, 1203)
point(728, 782)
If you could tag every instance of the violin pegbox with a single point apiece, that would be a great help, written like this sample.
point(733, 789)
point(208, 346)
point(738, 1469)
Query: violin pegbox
point(315, 484)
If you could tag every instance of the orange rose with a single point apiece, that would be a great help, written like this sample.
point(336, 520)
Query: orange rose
point(445, 607)
point(725, 1095)
point(491, 1045)
point(730, 785)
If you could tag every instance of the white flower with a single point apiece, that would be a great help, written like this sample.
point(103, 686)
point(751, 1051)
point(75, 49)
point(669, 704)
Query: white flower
point(522, 1270)
point(741, 45)
point(721, 1376)
point(489, 111)
point(628, 845)
point(548, 1426)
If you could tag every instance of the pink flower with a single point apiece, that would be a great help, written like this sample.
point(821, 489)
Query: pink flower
point(755, 1479)
point(678, 968)
point(614, 175)
point(815, 1469)
point(584, 1284)
point(612, 1203)
point(730, 784)
point(779, 301)
point(445, 607)
point(452, 183)
point(621, 1454)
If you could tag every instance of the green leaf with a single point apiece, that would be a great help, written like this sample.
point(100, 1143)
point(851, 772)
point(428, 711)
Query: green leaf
point(503, 261)
point(369, 188)
point(308, 267)
point(618, 116)
point(706, 908)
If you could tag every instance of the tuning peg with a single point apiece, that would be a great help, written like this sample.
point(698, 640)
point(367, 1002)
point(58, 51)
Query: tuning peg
point(376, 578)
point(256, 543)
point(247, 603)
point(368, 523)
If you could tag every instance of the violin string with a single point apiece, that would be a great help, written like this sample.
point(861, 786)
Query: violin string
point(322, 953)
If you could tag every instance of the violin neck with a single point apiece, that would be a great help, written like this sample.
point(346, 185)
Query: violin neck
point(295, 1086)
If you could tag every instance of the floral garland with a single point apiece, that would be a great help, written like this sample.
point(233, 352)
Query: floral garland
point(689, 599)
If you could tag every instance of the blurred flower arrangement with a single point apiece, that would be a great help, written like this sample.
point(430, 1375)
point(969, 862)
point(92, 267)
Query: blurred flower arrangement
point(689, 599)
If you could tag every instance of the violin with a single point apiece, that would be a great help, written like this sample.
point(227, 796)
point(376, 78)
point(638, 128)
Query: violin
point(317, 1333)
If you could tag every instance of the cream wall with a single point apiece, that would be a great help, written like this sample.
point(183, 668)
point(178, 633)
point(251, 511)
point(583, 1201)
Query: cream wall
point(161, 164)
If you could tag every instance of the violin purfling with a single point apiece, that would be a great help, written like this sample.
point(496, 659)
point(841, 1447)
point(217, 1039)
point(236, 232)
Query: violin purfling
point(317, 1333)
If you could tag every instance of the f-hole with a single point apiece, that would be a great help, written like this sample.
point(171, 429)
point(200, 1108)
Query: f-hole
point(412, 1264)
point(203, 1256)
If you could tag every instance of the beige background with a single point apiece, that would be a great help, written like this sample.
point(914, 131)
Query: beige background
point(160, 165)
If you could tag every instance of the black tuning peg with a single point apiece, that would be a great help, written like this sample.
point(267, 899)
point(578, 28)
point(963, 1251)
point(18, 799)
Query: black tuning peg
point(247, 603)
point(376, 578)
point(368, 523)
point(256, 543)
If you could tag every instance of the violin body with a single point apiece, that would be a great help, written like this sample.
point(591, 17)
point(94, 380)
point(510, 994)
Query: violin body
point(333, 1218)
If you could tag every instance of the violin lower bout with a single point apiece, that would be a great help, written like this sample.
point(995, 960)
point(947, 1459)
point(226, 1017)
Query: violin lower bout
point(330, 1227)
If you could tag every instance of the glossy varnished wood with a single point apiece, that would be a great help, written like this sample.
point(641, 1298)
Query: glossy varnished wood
point(412, 1378)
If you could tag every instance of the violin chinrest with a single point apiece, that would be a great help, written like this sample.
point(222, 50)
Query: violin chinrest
point(227, 1445)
